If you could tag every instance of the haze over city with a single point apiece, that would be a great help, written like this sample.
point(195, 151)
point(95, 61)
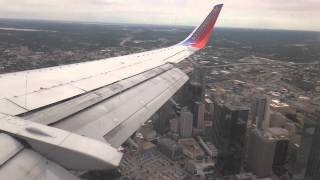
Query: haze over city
point(269, 14)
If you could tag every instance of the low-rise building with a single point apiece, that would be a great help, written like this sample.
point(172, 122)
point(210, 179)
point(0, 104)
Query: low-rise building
point(170, 148)
point(200, 168)
point(191, 148)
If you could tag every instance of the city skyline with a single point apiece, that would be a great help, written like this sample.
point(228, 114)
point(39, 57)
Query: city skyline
point(271, 14)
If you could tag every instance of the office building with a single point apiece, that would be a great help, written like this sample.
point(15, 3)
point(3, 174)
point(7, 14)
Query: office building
point(209, 148)
point(242, 176)
point(208, 116)
point(196, 91)
point(260, 112)
point(208, 129)
point(191, 148)
point(162, 117)
point(313, 164)
point(198, 79)
point(281, 137)
point(209, 107)
point(261, 148)
point(245, 176)
point(277, 119)
point(202, 169)
point(209, 103)
point(229, 131)
point(170, 148)
point(174, 125)
point(199, 114)
point(185, 123)
point(300, 162)
point(267, 151)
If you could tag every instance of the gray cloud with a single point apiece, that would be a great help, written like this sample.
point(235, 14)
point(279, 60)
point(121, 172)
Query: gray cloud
point(294, 6)
point(246, 13)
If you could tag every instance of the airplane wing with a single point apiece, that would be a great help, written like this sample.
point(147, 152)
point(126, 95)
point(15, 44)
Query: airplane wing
point(76, 116)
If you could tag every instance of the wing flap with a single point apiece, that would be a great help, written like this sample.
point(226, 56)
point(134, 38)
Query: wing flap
point(71, 150)
point(58, 112)
point(29, 165)
point(119, 134)
point(9, 148)
point(20, 163)
point(122, 114)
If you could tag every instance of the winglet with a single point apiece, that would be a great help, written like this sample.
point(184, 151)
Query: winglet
point(201, 35)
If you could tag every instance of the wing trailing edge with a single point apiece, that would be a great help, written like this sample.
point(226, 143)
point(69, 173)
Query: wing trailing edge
point(72, 151)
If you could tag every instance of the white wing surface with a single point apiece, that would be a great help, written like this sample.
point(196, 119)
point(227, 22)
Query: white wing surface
point(76, 116)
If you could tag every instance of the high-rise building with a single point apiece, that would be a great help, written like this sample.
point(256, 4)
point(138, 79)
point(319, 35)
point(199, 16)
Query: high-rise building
point(198, 79)
point(209, 106)
point(229, 131)
point(208, 116)
point(267, 151)
point(281, 137)
point(165, 113)
point(196, 90)
point(183, 96)
point(174, 125)
point(260, 112)
point(185, 123)
point(313, 164)
point(199, 113)
point(216, 124)
point(308, 136)
point(261, 150)
point(277, 119)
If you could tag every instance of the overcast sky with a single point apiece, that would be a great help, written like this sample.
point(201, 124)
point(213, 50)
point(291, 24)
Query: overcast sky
point(274, 14)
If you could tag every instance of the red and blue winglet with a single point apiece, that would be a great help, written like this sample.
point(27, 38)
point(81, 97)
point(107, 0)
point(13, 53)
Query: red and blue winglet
point(201, 35)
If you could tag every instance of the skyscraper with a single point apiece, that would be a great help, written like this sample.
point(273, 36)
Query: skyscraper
point(196, 91)
point(229, 129)
point(302, 156)
point(174, 125)
point(267, 151)
point(208, 116)
point(260, 153)
point(185, 123)
point(281, 137)
point(199, 113)
point(165, 113)
point(198, 78)
point(260, 112)
point(313, 164)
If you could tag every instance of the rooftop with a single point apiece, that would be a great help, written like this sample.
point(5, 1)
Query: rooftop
point(192, 146)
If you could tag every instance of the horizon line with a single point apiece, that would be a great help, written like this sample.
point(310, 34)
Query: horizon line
point(150, 24)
